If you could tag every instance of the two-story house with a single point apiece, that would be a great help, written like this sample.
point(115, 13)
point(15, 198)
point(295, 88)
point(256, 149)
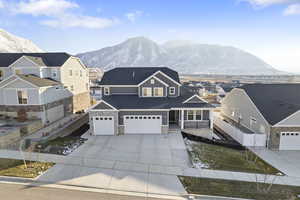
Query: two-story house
point(44, 86)
point(146, 100)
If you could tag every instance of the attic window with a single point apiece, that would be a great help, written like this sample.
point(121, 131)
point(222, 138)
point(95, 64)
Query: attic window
point(152, 81)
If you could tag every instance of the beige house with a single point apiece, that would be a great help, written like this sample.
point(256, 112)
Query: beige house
point(95, 74)
point(46, 86)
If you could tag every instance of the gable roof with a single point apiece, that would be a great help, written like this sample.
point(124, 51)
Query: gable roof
point(275, 101)
point(134, 75)
point(47, 59)
point(37, 81)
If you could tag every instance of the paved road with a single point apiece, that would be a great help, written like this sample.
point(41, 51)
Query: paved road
point(14, 192)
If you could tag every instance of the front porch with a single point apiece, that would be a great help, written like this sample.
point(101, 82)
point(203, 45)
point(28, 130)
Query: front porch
point(190, 119)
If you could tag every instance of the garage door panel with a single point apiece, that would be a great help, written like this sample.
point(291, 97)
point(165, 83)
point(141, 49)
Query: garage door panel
point(103, 125)
point(289, 141)
point(142, 124)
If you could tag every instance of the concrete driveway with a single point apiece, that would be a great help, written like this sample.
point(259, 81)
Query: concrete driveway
point(286, 161)
point(166, 150)
point(146, 164)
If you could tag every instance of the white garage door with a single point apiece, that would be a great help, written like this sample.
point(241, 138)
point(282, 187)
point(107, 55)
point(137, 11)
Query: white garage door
point(289, 141)
point(142, 124)
point(103, 125)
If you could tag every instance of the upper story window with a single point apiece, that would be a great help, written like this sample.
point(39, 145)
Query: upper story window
point(22, 97)
point(72, 88)
point(172, 90)
point(147, 92)
point(152, 81)
point(158, 92)
point(80, 73)
point(106, 91)
point(70, 72)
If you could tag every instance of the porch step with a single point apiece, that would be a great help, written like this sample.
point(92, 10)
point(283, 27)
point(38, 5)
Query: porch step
point(174, 131)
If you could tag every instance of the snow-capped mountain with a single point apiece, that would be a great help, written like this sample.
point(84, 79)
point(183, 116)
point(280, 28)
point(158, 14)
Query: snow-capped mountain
point(12, 43)
point(183, 56)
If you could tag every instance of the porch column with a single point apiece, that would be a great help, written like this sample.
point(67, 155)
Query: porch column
point(182, 119)
point(211, 119)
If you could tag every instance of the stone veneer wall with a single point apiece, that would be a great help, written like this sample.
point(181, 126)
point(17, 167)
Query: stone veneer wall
point(81, 101)
point(36, 111)
point(275, 135)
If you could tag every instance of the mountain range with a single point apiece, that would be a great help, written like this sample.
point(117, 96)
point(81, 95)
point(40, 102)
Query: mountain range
point(186, 57)
point(183, 56)
point(12, 43)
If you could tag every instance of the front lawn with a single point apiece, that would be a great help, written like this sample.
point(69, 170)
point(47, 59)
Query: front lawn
point(222, 158)
point(239, 189)
point(16, 168)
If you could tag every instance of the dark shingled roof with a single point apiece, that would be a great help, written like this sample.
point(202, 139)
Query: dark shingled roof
point(49, 59)
point(275, 101)
point(136, 102)
point(40, 82)
point(134, 75)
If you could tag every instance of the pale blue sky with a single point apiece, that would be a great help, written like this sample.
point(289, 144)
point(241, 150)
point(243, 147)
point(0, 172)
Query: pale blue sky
point(269, 29)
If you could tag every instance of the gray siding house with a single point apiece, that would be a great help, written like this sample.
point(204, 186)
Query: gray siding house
point(46, 86)
point(147, 100)
point(270, 109)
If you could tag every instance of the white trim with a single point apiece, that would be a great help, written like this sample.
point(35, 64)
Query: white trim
point(152, 76)
point(167, 77)
point(180, 108)
point(19, 78)
point(195, 95)
point(282, 121)
point(102, 101)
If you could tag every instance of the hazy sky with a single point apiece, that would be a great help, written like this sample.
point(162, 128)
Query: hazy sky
point(269, 29)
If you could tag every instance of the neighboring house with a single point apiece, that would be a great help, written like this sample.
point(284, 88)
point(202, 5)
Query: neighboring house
point(95, 75)
point(196, 89)
point(147, 100)
point(39, 85)
point(270, 109)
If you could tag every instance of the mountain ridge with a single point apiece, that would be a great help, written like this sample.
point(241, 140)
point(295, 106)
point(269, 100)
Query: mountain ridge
point(10, 43)
point(184, 56)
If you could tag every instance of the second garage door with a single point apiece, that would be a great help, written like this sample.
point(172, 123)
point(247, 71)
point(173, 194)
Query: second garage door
point(289, 141)
point(142, 124)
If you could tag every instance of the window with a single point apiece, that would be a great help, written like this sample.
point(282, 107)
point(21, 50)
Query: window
point(158, 92)
point(70, 72)
point(54, 73)
point(147, 92)
point(22, 97)
point(198, 114)
point(80, 72)
point(152, 81)
point(190, 115)
point(172, 90)
point(17, 71)
point(106, 91)
point(1, 73)
point(87, 86)
point(72, 88)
